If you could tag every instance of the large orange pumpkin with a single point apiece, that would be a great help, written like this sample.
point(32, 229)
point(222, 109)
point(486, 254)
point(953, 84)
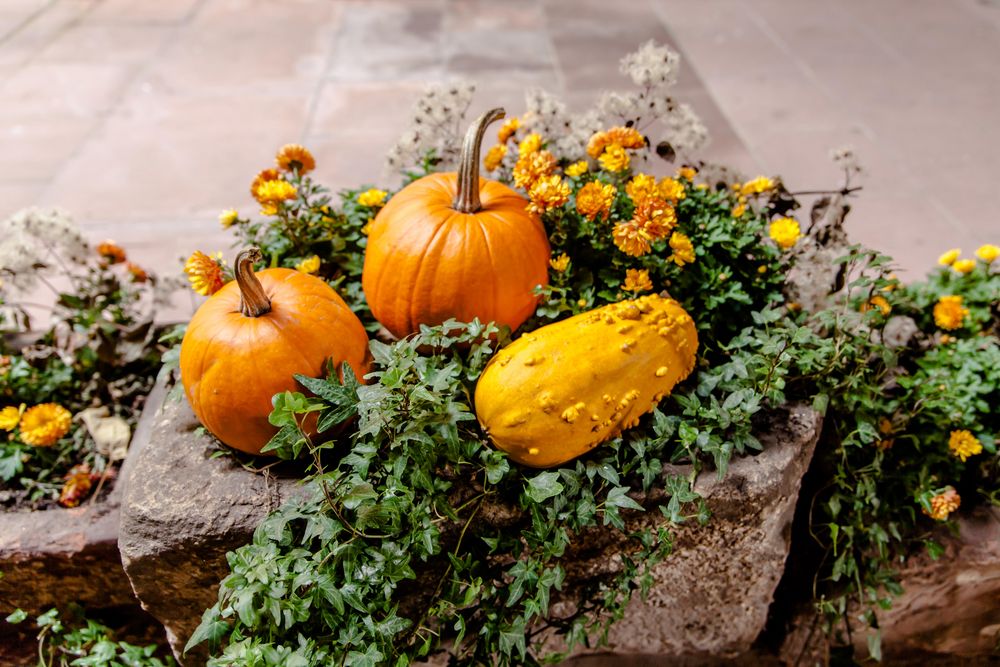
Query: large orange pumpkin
point(245, 343)
point(454, 246)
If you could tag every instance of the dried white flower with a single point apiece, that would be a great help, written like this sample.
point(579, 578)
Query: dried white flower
point(685, 131)
point(845, 158)
point(652, 66)
point(437, 125)
point(32, 239)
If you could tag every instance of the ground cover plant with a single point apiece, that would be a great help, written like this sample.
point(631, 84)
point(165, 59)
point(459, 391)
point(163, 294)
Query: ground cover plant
point(785, 308)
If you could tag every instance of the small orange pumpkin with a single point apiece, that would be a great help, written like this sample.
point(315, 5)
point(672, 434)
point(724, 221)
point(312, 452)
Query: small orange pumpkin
point(454, 246)
point(245, 343)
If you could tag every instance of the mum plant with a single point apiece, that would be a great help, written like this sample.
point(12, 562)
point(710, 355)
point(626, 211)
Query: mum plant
point(421, 537)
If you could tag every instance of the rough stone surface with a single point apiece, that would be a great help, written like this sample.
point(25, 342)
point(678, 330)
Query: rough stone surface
point(57, 556)
point(182, 510)
point(710, 597)
point(952, 605)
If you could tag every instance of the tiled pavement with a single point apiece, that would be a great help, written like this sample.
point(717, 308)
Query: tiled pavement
point(145, 118)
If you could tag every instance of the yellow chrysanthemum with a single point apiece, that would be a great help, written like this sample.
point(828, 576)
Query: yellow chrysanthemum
point(739, 210)
point(9, 418)
point(494, 156)
point(594, 200)
point(943, 504)
point(683, 249)
point(530, 144)
point(963, 444)
point(687, 173)
point(948, 258)
point(560, 263)
point(293, 157)
point(43, 425)
point(260, 179)
point(631, 238)
point(877, 302)
point(988, 252)
point(964, 265)
point(548, 193)
point(308, 265)
point(111, 252)
point(228, 218)
point(785, 232)
point(949, 312)
point(641, 188)
point(508, 129)
point(204, 272)
point(577, 169)
point(614, 158)
point(637, 281)
point(372, 198)
point(625, 137)
point(366, 228)
point(671, 190)
point(757, 186)
point(656, 217)
point(532, 167)
point(271, 193)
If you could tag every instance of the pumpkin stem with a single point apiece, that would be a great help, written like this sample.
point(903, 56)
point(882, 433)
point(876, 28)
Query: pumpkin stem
point(253, 300)
point(467, 197)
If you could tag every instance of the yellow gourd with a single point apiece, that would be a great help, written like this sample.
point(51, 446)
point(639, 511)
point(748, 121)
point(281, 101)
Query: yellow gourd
point(561, 390)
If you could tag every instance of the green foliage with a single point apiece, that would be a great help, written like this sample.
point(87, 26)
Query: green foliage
point(86, 643)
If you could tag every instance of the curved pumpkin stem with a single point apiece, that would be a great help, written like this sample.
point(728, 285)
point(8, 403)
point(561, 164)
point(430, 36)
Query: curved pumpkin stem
point(467, 198)
point(253, 300)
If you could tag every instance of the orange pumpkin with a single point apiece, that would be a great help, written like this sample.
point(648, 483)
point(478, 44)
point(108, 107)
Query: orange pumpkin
point(454, 246)
point(245, 343)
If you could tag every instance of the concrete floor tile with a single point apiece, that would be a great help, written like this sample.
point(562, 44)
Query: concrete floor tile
point(34, 146)
point(78, 90)
point(144, 12)
point(15, 195)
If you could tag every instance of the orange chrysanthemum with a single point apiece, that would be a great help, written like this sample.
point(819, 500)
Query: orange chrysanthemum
point(656, 217)
point(949, 313)
point(641, 188)
point(204, 272)
point(508, 129)
point(594, 200)
point(260, 179)
point(43, 425)
point(530, 144)
point(944, 504)
point(138, 273)
point(293, 157)
point(79, 482)
point(637, 281)
point(271, 194)
point(111, 252)
point(671, 190)
point(625, 137)
point(531, 167)
point(494, 156)
point(683, 249)
point(631, 238)
point(548, 193)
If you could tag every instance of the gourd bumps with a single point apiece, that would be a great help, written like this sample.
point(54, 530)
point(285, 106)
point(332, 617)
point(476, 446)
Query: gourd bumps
point(561, 390)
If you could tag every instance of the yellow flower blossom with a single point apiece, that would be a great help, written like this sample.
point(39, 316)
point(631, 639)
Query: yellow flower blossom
point(548, 193)
point(757, 186)
point(964, 265)
point(949, 312)
point(683, 249)
point(614, 158)
point(308, 265)
point(43, 425)
point(532, 167)
point(878, 302)
point(494, 156)
point(948, 258)
point(260, 179)
point(671, 190)
point(560, 263)
point(228, 218)
point(988, 253)
point(687, 173)
point(739, 210)
point(624, 137)
point(508, 129)
point(656, 217)
point(204, 273)
point(594, 200)
point(372, 198)
point(293, 157)
point(944, 504)
point(641, 188)
point(271, 193)
point(762, 269)
point(637, 281)
point(9, 418)
point(963, 444)
point(530, 144)
point(577, 169)
point(111, 252)
point(785, 232)
point(631, 238)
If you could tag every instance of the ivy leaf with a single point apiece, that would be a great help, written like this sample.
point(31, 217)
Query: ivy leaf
point(544, 486)
point(618, 497)
point(17, 616)
point(211, 629)
point(11, 465)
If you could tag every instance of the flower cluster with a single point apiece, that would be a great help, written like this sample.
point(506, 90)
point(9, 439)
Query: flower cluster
point(206, 273)
point(436, 128)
